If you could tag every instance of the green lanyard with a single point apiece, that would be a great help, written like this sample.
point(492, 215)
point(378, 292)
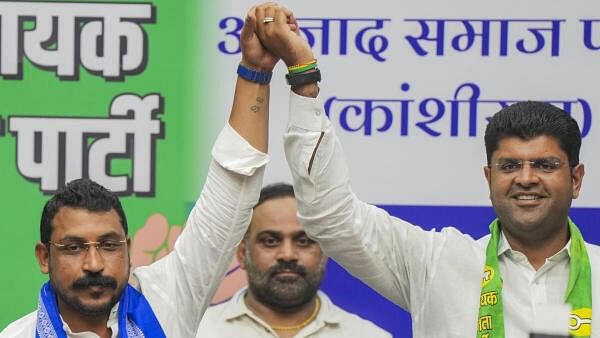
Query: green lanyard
point(490, 323)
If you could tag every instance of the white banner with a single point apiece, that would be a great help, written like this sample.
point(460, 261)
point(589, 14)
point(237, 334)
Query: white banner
point(409, 85)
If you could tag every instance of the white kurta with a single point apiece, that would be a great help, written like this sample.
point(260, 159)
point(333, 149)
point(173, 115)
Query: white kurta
point(180, 286)
point(436, 276)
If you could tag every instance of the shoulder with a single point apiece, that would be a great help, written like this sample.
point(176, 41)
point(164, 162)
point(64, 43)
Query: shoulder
point(593, 246)
point(483, 241)
point(22, 327)
point(218, 310)
point(218, 320)
point(593, 251)
point(218, 314)
point(351, 322)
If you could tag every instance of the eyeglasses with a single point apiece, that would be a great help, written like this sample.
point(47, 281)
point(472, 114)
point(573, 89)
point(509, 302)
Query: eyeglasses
point(542, 165)
point(107, 248)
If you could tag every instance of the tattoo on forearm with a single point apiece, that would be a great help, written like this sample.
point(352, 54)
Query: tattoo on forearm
point(256, 107)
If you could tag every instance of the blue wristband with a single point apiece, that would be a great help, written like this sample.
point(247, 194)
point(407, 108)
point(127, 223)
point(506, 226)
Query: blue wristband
point(254, 75)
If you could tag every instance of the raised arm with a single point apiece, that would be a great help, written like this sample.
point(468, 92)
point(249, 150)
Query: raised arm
point(181, 285)
point(387, 253)
point(250, 109)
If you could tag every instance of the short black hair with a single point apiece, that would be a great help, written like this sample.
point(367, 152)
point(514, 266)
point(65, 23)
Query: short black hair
point(530, 119)
point(275, 190)
point(269, 192)
point(84, 194)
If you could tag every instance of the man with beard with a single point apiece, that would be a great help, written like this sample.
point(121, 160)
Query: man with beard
point(84, 242)
point(284, 269)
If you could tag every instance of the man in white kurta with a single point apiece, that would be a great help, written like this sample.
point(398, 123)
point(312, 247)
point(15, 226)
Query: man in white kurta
point(436, 276)
point(179, 286)
point(533, 173)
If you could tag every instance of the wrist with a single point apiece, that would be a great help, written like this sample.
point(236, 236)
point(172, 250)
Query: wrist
point(303, 78)
point(304, 83)
point(303, 67)
point(299, 57)
point(256, 66)
point(308, 90)
point(254, 75)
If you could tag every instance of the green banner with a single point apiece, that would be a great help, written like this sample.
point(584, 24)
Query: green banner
point(107, 90)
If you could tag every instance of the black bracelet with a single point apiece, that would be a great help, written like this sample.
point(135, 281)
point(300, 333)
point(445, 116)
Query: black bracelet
point(298, 79)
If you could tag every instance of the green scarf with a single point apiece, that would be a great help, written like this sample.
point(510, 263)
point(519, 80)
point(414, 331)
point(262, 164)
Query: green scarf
point(490, 323)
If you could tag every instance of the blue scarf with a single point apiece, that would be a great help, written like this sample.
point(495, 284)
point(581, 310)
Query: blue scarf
point(135, 316)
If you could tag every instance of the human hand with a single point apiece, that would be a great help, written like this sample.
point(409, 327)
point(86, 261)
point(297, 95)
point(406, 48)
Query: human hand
point(254, 54)
point(281, 37)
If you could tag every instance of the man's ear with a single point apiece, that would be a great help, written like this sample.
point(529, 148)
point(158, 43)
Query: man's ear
point(487, 173)
point(240, 254)
point(43, 257)
point(129, 255)
point(577, 173)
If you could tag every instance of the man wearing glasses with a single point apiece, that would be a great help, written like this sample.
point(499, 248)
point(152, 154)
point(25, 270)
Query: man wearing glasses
point(84, 241)
point(535, 263)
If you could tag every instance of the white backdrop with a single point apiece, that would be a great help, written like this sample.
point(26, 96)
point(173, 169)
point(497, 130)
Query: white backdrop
point(430, 178)
point(418, 168)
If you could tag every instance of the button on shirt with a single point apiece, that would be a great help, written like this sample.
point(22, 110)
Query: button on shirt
point(179, 286)
point(234, 319)
point(435, 275)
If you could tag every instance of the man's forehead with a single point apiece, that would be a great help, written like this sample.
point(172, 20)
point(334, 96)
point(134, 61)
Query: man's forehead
point(275, 213)
point(281, 232)
point(276, 203)
point(70, 221)
point(535, 145)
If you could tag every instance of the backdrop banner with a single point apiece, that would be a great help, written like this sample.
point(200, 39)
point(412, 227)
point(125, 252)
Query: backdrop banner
point(108, 90)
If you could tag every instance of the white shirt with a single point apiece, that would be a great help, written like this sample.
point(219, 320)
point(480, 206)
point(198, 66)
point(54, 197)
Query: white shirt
point(234, 319)
point(179, 286)
point(436, 276)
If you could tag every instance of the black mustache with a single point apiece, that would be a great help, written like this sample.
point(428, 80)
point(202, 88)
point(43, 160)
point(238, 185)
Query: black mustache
point(291, 266)
point(94, 280)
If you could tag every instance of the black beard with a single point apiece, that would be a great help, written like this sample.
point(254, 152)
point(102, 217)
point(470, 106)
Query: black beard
point(283, 294)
